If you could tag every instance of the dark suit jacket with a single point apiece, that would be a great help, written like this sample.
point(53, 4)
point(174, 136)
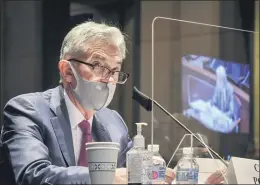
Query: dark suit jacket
point(37, 132)
point(228, 107)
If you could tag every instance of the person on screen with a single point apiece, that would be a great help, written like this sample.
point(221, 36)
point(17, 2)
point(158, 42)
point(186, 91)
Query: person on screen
point(46, 132)
point(223, 97)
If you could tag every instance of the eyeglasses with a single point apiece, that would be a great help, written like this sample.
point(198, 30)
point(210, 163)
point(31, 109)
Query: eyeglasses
point(102, 71)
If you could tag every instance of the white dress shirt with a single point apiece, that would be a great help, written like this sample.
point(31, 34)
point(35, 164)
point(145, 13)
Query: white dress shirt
point(75, 118)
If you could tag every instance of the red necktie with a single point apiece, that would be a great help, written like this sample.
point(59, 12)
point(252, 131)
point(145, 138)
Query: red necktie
point(86, 138)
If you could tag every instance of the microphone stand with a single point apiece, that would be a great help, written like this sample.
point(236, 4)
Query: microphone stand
point(146, 102)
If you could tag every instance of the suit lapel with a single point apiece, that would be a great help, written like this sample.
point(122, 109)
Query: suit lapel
point(99, 132)
point(62, 127)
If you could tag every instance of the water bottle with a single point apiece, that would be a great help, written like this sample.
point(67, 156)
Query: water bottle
point(159, 165)
point(187, 168)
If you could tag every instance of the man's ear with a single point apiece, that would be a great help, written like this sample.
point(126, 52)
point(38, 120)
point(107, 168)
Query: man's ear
point(66, 71)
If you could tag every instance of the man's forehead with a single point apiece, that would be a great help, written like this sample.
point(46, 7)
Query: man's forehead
point(105, 58)
point(103, 45)
point(105, 53)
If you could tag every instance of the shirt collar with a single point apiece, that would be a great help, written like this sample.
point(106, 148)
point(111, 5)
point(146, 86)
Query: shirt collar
point(75, 115)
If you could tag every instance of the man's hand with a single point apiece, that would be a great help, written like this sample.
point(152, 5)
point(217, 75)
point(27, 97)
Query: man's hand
point(170, 175)
point(216, 178)
point(120, 176)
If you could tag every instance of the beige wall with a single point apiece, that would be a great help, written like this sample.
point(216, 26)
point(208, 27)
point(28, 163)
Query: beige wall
point(128, 67)
point(122, 100)
point(173, 39)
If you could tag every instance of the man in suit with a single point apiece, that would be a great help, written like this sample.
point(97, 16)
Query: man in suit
point(223, 97)
point(46, 132)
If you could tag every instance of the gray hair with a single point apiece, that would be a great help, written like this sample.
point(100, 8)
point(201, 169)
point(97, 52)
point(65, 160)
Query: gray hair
point(221, 77)
point(221, 71)
point(75, 42)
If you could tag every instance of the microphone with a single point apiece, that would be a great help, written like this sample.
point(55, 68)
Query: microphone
point(142, 99)
point(146, 103)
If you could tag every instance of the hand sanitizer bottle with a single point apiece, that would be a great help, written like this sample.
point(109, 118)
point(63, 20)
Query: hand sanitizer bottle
point(139, 160)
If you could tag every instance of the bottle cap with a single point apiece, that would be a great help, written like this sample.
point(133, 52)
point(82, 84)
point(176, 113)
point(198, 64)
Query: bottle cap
point(153, 148)
point(139, 138)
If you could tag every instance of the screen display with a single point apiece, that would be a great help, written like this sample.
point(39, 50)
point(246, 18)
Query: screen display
point(216, 93)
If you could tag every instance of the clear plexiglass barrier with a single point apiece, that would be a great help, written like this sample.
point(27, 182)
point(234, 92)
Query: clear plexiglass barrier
point(202, 75)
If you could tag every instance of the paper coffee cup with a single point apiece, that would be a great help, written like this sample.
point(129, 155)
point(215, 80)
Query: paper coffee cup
point(102, 161)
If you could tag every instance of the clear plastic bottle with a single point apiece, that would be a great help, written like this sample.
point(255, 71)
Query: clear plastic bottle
point(139, 160)
point(159, 165)
point(187, 168)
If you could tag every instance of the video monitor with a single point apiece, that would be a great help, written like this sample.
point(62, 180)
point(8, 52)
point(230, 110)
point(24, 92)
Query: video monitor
point(215, 93)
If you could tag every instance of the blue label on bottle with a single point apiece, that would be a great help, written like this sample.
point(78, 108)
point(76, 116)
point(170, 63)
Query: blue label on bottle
point(158, 173)
point(190, 175)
